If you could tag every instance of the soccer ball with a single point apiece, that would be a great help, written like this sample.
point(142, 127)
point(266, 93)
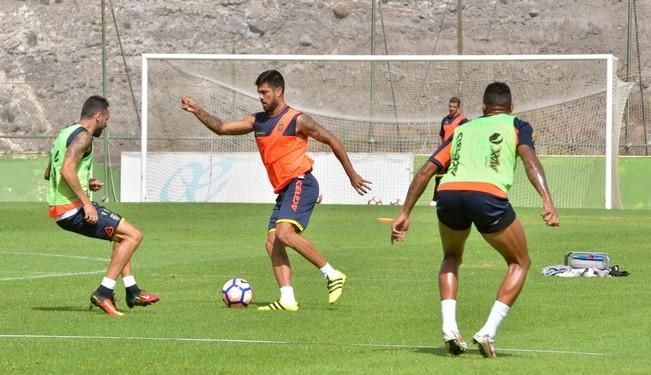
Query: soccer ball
point(237, 292)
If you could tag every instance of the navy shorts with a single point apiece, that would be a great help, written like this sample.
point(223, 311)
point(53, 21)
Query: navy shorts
point(459, 209)
point(107, 223)
point(295, 202)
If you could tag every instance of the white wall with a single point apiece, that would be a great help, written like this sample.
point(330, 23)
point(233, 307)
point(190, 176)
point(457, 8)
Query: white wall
point(241, 177)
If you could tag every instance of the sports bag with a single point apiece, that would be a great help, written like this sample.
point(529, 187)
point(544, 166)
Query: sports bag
point(587, 259)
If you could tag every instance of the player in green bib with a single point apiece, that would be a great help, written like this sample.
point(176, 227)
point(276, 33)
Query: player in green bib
point(69, 176)
point(480, 159)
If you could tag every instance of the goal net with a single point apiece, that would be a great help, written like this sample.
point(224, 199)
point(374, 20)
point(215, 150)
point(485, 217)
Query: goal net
point(386, 110)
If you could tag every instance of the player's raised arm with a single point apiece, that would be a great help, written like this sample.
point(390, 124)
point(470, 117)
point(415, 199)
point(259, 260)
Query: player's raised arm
point(215, 124)
point(308, 126)
point(536, 176)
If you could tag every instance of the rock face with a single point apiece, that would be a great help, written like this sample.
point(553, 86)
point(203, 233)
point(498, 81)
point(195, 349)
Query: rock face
point(50, 50)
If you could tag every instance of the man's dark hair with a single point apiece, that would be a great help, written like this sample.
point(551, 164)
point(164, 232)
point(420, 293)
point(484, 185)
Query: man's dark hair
point(271, 77)
point(497, 94)
point(454, 99)
point(93, 105)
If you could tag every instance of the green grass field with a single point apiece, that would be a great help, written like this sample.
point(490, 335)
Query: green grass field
point(387, 321)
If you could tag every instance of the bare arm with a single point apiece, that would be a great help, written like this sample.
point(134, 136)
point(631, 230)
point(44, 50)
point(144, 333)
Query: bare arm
point(215, 124)
point(306, 125)
point(76, 150)
point(536, 176)
point(418, 184)
point(46, 174)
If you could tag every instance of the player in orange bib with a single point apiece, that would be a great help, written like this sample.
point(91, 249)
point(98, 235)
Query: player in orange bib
point(450, 122)
point(281, 133)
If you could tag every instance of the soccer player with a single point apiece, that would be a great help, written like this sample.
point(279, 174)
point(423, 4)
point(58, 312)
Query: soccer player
point(481, 157)
point(281, 133)
point(448, 124)
point(69, 175)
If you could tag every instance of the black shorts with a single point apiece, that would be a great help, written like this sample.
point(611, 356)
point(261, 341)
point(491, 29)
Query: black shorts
point(459, 209)
point(295, 203)
point(107, 223)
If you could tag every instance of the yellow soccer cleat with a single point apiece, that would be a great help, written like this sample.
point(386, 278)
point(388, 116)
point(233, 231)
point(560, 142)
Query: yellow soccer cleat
point(335, 287)
point(277, 306)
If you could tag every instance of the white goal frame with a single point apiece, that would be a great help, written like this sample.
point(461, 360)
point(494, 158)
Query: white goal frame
point(608, 58)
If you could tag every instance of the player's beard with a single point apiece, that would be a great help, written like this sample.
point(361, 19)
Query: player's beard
point(270, 107)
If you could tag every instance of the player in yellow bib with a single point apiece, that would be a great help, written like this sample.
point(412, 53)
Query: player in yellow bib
point(69, 176)
point(480, 158)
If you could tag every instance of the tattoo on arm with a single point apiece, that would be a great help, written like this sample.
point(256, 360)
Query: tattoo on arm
point(79, 146)
point(76, 150)
point(314, 130)
point(211, 122)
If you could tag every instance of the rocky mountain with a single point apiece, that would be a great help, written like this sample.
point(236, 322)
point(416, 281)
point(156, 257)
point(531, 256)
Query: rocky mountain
point(51, 55)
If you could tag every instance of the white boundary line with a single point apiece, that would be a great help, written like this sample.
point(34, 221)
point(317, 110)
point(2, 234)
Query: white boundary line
point(271, 342)
point(55, 255)
point(53, 274)
point(48, 275)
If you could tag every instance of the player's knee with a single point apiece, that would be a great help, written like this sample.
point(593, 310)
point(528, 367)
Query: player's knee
point(136, 236)
point(269, 245)
point(453, 257)
point(284, 234)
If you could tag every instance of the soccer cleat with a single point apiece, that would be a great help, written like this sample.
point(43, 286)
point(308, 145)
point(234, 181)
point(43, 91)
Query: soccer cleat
point(455, 343)
point(485, 344)
point(106, 304)
point(142, 299)
point(335, 287)
point(277, 306)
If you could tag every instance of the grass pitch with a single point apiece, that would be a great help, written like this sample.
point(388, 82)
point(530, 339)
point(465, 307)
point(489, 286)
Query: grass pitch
point(387, 321)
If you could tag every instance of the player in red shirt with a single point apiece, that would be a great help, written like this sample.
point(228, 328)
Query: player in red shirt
point(281, 133)
point(450, 122)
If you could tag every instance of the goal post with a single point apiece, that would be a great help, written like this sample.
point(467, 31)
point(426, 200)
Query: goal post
point(386, 110)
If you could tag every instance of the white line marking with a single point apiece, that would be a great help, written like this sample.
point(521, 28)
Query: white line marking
point(56, 255)
point(273, 342)
point(48, 275)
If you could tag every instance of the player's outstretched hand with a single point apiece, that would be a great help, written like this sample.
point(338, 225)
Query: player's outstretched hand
point(360, 185)
point(549, 215)
point(94, 184)
point(188, 104)
point(399, 228)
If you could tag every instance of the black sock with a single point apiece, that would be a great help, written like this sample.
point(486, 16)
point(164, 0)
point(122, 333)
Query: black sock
point(105, 292)
point(133, 290)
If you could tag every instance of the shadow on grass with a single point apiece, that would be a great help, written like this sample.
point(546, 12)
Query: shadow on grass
point(443, 352)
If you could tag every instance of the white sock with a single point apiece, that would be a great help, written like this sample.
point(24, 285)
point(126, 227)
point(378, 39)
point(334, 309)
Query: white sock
point(449, 316)
point(129, 281)
point(328, 271)
point(497, 314)
point(108, 283)
point(287, 295)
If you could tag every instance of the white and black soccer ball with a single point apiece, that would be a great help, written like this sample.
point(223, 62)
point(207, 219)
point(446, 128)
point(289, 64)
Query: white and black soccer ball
point(237, 292)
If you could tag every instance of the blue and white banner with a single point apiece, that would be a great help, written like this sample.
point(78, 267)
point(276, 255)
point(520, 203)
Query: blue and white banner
point(241, 177)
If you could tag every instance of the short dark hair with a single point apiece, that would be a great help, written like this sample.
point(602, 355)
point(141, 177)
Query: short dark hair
point(271, 77)
point(93, 105)
point(497, 94)
point(454, 99)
